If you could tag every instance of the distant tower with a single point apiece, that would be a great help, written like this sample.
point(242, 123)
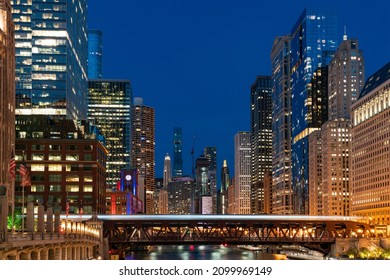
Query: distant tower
point(95, 54)
point(242, 171)
point(177, 152)
point(223, 192)
point(211, 154)
point(167, 170)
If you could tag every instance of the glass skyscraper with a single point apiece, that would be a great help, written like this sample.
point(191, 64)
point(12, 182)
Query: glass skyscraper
point(51, 57)
point(177, 152)
point(95, 54)
point(109, 108)
point(313, 38)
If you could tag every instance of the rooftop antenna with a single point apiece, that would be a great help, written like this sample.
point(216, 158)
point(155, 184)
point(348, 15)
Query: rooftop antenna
point(192, 155)
point(345, 37)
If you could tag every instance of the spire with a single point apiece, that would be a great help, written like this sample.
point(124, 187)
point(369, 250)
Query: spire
point(345, 37)
point(224, 163)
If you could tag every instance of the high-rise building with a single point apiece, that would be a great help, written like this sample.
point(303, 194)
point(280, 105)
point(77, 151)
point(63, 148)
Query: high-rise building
point(370, 157)
point(51, 57)
point(167, 176)
point(7, 106)
point(313, 39)
point(95, 54)
point(177, 152)
point(181, 196)
point(346, 79)
point(242, 171)
point(142, 148)
point(282, 201)
point(223, 192)
point(211, 154)
point(261, 137)
point(109, 108)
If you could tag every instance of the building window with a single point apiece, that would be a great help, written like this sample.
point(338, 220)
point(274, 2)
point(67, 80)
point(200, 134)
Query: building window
point(87, 167)
point(72, 148)
point(87, 157)
point(37, 167)
point(55, 147)
point(55, 188)
point(38, 147)
point(55, 167)
point(88, 188)
point(54, 156)
point(72, 157)
point(72, 178)
point(72, 188)
point(88, 148)
point(55, 177)
point(37, 157)
point(37, 188)
point(72, 167)
point(88, 179)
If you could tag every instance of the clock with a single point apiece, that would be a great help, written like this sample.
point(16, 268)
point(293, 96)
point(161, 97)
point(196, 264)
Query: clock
point(128, 177)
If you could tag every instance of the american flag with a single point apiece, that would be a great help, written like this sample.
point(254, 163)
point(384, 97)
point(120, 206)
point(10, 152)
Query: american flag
point(12, 166)
point(67, 207)
point(26, 180)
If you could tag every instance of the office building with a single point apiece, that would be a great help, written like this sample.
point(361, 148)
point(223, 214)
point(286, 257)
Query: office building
point(67, 162)
point(177, 152)
point(370, 162)
point(109, 108)
point(346, 79)
point(313, 40)
point(202, 188)
point(211, 154)
point(223, 192)
point(181, 196)
point(282, 201)
point(242, 171)
point(51, 58)
point(261, 137)
point(95, 54)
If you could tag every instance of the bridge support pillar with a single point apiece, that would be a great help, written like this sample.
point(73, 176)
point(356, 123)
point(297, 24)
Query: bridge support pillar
point(30, 217)
point(49, 220)
point(41, 221)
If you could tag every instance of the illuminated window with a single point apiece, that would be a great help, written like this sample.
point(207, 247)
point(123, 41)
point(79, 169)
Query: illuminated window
point(88, 179)
point(37, 157)
point(55, 188)
point(54, 156)
point(55, 167)
point(37, 167)
point(72, 178)
point(72, 188)
point(88, 188)
point(37, 188)
point(72, 157)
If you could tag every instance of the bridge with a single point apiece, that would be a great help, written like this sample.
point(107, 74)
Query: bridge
point(311, 231)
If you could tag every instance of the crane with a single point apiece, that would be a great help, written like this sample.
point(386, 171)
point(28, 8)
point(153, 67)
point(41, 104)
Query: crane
point(192, 155)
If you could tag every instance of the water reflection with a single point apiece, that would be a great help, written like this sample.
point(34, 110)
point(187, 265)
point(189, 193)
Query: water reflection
point(201, 252)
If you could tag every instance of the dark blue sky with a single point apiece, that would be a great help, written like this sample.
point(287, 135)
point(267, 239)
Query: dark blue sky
point(195, 60)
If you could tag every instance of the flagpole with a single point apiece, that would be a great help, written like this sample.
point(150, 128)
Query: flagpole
point(13, 195)
point(22, 183)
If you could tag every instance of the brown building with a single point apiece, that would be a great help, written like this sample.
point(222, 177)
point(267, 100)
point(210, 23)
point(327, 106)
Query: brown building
point(66, 162)
point(122, 203)
point(370, 157)
point(7, 94)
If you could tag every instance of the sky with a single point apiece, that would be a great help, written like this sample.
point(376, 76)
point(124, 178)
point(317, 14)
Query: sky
point(194, 61)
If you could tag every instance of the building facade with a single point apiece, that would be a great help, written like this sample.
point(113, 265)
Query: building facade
point(167, 175)
point(67, 162)
point(7, 100)
point(282, 201)
point(143, 148)
point(313, 39)
point(223, 191)
point(211, 154)
point(95, 54)
point(242, 171)
point(51, 58)
point(109, 108)
point(261, 137)
point(370, 158)
point(181, 196)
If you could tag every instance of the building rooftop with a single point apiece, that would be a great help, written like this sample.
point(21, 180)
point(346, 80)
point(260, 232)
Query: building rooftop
point(375, 80)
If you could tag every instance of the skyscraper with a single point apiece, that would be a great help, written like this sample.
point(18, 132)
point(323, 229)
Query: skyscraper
point(109, 108)
point(167, 176)
point(7, 106)
point(223, 192)
point(242, 171)
point(202, 195)
point(313, 38)
point(95, 54)
point(142, 145)
point(261, 137)
point(211, 154)
point(281, 127)
point(177, 152)
point(51, 58)
point(346, 79)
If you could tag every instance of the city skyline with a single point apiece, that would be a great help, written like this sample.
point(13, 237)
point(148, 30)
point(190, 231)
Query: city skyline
point(189, 57)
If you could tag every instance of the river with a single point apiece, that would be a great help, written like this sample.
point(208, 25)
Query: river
point(200, 252)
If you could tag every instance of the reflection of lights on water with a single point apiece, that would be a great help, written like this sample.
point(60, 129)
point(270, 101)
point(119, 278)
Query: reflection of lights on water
point(192, 247)
point(180, 247)
point(185, 256)
point(202, 247)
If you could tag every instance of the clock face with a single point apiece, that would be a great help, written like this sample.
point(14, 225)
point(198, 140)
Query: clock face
point(128, 177)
